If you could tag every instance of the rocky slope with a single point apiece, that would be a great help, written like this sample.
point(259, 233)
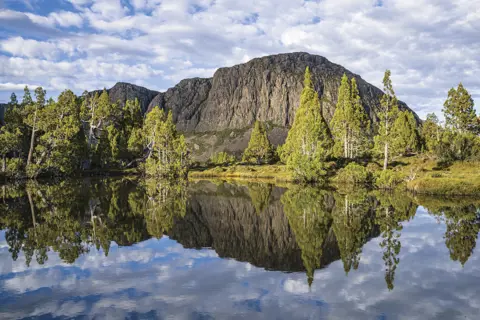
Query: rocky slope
point(266, 89)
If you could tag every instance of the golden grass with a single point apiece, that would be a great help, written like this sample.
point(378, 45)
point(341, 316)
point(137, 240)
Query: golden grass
point(267, 173)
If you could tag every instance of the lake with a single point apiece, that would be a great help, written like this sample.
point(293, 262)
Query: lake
point(144, 249)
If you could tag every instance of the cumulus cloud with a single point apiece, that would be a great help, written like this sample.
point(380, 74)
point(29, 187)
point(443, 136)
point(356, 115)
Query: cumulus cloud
point(429, 46)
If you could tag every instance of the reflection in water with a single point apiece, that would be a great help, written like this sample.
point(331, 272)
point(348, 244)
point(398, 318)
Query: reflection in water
point(295, 229)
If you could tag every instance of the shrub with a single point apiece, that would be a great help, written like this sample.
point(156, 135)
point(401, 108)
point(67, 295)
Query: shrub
point(222, 158)
point(354, 174)
point(388, 179)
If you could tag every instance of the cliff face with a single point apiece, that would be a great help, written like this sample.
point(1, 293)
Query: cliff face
point(266, 89)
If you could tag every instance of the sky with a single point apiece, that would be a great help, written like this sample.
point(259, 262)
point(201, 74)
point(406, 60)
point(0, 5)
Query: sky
point(429, 45)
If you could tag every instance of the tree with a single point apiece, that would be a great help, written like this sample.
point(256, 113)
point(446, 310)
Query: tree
point(388, 113)
point(350, 124)
point(405, 131)
point(459, 111)
point(259, 149)
point(9, 142)
point(308, 142)
point(60, 146)
point(27, 97)
point(167, 150)
point(431, 132)
point(32, 117)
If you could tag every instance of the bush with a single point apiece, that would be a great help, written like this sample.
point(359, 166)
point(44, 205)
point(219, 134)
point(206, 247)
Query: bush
point(388, 179)
point(222, 158)
point(354, 174)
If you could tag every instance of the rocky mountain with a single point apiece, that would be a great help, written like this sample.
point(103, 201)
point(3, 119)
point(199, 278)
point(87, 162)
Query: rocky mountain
point(217, 113)
point(121, 92)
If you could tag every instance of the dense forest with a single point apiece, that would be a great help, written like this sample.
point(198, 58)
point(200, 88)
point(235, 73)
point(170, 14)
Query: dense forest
point(74, 135)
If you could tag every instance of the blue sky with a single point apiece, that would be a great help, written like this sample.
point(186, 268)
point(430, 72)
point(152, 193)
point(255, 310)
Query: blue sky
point(430, 46)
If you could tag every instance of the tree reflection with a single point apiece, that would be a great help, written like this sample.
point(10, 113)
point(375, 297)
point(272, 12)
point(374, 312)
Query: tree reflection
point(165, 201)
point(260, 195)
point(391, 211)
point(352, 224)
point(462, 220)
point(308, 211)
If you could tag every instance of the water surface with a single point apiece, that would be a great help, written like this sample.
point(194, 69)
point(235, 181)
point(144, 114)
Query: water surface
point(125, 248)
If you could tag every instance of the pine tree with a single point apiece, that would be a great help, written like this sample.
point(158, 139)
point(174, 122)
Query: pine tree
point(388, 114)
point(10, 141)
point(167, 155)
point(350, 124)
point(431, 132)
point(407, 137)
point(308, 142)
point(32, 117)
point(459, 111)
point(27, 97)
point(259, 149)
point(340, 121)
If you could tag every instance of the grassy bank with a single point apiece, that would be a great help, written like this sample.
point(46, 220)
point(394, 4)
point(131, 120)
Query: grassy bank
point(264, 172)
point(421, 175)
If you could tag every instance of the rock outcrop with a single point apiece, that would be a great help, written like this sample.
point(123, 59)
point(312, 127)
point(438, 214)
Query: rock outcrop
point(121, 92)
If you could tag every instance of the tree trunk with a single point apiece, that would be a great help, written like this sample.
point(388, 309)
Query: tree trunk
point(385, 160)
point(32, 140)
point(345, 145)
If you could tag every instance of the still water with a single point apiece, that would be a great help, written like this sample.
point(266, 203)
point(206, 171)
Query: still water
point(126, 248)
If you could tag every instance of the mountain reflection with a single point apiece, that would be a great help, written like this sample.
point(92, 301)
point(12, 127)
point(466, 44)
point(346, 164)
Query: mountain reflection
point(286, 229)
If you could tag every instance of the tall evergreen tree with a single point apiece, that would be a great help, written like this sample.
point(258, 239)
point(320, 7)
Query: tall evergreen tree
point(407, 136)
point(167, 155)
point(350, 124)
point(431, 132)
point(259, 149)
point(32, 118)
point(459, 110)
point(388, 113)
point(308, 142)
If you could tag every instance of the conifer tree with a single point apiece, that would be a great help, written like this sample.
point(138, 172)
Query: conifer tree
point(350, 124)
point(167, 149)
point(32, 117)
point(27, 97)
point(407, 137)
point(388, 114)
point(10, 140)
point(308, 142)
point(431, 132)
point(259, 148)
point(459, 111)
point(339, 123)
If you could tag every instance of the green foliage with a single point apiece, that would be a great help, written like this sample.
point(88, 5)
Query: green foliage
point(168, 155)
point(308, 143)
point(388, 179)
point(459, 111)
point(354, 174)
point(260, 195)
point(309, 217)
point(457, 146)
point(222, 158)
point(350, 125)
point(406, 135)
point(15, 167)
point(431, 132)
point(259, 150)
point(387, 114)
